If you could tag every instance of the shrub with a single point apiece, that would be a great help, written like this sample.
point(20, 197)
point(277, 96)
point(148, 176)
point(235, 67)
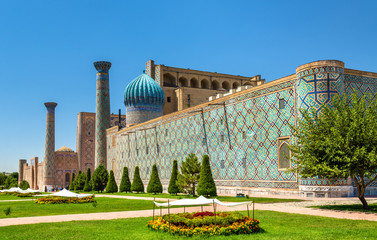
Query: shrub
point(88, 185)
point(72, 184)
point(125, 183)
point(137, 184)
point(24, 185)
point(206, 186)
point(100, 178)
point(111, 186)
point(173, 187)
point(10, 182)
point(7, 211)
point(154, 185)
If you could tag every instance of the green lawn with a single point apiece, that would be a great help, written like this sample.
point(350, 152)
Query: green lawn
point(275, 225)
point(30, 208)
point(221, 198)
point(353, 207)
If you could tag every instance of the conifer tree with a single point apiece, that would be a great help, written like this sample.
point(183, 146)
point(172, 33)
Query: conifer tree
point(173, 187)
point(99, 178)
point(206, 186)
point(125, 184)
point(154, 185)
point(72, 184)
point(137, 184)
point(88, 186)
point(111, 186)
point(80, 181)
point(189, 176)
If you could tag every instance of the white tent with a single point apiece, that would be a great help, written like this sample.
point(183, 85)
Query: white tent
point(66, 193)
point(198, 202)
point(13, 189)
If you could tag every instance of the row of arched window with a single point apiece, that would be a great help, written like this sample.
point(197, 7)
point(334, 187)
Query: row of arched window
point(170, 81)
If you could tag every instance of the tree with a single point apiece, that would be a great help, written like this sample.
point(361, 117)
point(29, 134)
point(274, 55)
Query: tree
point(88, 185)
point(154, 185)
point(14, 175)
point(2, 178)
point(137, 184)
point(189, 176)
point(173, 187)
point(111, 186)
point(80, 181)
point(99, 178)
point(206, 184)
point(125, 183)
point(10, 182)
point(72, 184)
point(24, 185)
point(341, 142)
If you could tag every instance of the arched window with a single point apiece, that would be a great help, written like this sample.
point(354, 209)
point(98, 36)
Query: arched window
point(67, 179)
point(183, 82)
point(169, 80)
point(226, 85)
point(284, 154)
point(204, 84)
point(215, 85)
point(194, 83)
point(235, 85)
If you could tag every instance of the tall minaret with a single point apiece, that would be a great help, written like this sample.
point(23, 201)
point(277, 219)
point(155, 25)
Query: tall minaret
point(49, 166)
point(102, 110)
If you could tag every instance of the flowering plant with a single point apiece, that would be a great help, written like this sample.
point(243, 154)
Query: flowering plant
point(59, 200)
point(243, 225)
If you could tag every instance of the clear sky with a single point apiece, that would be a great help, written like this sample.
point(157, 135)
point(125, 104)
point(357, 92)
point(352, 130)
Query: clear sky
point(47, 50)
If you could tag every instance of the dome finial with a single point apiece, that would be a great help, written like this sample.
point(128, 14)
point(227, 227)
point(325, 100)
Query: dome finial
point(143, 71)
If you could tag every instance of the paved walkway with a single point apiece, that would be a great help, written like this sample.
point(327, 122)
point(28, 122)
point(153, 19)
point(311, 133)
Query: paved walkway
point(288, 207)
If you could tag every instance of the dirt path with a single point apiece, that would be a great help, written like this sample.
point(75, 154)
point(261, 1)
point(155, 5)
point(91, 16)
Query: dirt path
point(288, 207)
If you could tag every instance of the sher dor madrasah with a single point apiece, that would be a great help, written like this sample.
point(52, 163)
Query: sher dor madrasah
point(242, 123)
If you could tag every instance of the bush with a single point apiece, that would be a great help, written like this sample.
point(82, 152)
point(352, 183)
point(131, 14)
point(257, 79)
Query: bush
point(154, 185)
point(88, 185)
point(173, 187)
point(206, 186)
point(111, 186)
point(137, 184)
point(60, 200)
point(7, 211)
point(125, 184)
point(100, 178)
point(24, 185)
point(72, 184)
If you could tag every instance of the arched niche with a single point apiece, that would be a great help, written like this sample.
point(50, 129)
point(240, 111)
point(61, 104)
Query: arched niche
point(235, 85)
point(204, 84)
point(225, 85)
point(183, 82)
point(194, 83)
point(169, 80)
point(215, 85)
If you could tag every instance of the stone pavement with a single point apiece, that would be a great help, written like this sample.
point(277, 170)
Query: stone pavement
point(288, 207)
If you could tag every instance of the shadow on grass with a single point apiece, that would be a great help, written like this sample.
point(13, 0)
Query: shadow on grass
point(353, 207)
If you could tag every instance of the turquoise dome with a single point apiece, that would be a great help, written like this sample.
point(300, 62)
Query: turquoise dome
point(143, 90)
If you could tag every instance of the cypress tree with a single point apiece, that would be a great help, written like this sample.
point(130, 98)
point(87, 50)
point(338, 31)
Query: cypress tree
point(206, 184)
point(88, 186)
point(80, 181)
point(125, 184)
point(154, 185)
point(111, 186)
point(137, 184)
point(173, 187)
point(99, 178)
point(72, 184)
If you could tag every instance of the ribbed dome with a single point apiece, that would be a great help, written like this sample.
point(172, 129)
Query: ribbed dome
point(143, 90)
point(64, 149)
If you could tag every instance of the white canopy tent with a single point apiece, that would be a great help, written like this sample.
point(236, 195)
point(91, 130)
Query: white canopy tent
point(19, 190)
point(66, 193)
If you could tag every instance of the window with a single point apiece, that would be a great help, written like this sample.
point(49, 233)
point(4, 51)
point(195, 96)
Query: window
point(221, 121)
point(122, 154)
point(281, 103)
point(188, 100)
point(222, 137)
point(147, 150)
point(169, 99)
point(222, 164)
point(129, 153)
point(204, 141)
point(137, 152)
point(243, 135)
point(147, 170)
point(166, 132)
point(284, 154)
point(158, 148)
point(244, 162)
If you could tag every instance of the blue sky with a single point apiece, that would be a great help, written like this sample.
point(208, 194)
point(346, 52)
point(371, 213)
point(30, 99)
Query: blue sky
point(47, 50)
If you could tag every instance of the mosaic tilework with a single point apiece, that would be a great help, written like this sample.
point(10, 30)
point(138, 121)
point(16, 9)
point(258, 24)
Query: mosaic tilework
point(102, 110)
point(50, 144)
point(241, 143)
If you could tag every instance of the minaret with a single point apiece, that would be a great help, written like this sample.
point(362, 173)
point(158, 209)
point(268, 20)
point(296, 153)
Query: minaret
point(102, 110)
point(49, 165)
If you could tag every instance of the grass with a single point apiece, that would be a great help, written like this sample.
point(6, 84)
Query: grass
point(275, 225)
point(221, 198)
point(353, 207)
point(29, 208)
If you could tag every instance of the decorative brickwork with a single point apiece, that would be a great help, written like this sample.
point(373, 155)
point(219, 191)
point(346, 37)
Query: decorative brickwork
point(49, 166)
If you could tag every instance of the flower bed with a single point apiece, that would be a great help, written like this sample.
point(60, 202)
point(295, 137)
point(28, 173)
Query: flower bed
point(59, 200)
point(190, 224)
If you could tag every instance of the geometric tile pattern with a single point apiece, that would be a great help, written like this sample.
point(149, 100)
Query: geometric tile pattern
point(102, 110)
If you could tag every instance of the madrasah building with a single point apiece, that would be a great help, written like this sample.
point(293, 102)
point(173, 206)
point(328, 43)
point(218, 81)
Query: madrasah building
point(242, 123)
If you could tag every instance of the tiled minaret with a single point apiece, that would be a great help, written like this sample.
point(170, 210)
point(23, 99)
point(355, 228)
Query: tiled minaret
point(102, 110)
point(49, 167)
